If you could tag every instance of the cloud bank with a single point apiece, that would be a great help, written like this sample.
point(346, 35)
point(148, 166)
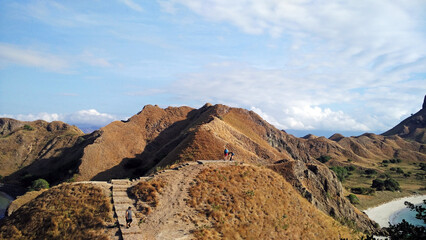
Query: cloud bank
point(90, 117)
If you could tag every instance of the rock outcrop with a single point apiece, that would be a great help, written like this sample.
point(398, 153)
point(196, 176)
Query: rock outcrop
point(413, 127)
point(321, 187)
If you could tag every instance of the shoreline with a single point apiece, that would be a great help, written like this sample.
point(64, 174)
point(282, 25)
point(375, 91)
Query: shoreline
point(5, 197)
point(382, 213)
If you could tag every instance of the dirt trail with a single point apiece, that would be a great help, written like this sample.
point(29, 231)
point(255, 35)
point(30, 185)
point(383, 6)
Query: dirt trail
point(172, 218)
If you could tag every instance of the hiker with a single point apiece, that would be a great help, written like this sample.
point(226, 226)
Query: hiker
point(128, 217)
point(226, 153)
point(231, 154)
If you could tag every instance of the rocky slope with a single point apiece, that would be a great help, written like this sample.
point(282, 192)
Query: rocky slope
point(413, 127)
point(25, 143)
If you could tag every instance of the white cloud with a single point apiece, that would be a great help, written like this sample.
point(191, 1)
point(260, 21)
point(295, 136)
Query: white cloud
point(315, 100)
point(131, 4)
point(350, 65)
point(17, 55)
point(82, 117)
point(90, 116)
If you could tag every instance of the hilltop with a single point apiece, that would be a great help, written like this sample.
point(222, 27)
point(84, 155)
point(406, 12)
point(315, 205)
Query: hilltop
point(413, 127)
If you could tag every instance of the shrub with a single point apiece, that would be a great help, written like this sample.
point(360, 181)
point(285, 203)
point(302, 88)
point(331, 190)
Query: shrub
point(391, 185)
point(363, 191)
point(341, 172)
point(28, 127)
point(378, 184)
point(350, 168)
point(39, 184)
point(384, 176)
point(422, 166)
point(392, 169)
point(370, 171)
point(385, 161)
point(353, 199)
point(399, 170)
point(324, 158)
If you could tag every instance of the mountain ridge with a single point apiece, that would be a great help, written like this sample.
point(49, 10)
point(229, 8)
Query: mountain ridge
point(155, 138)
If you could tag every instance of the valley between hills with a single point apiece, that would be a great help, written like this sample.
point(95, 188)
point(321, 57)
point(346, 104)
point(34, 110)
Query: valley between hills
point(278, 186)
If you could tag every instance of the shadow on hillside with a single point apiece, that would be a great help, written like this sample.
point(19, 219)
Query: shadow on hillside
point(55, 169)
point(167, 144)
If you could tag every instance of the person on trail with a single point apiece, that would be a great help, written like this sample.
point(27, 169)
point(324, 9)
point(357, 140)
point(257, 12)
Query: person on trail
point(128, 217)
point(231, 154)
point(226, 153)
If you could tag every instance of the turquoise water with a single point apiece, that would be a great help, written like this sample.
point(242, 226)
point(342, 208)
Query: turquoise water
point(408, 215)
point(4, 203)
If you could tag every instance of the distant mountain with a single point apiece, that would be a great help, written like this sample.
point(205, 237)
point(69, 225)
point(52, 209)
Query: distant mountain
point(413, 127)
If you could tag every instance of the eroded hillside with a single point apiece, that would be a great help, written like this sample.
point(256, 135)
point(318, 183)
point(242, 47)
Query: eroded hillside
point(24, 143)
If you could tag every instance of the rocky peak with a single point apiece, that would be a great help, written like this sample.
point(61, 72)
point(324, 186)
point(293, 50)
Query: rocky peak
point(424, 103)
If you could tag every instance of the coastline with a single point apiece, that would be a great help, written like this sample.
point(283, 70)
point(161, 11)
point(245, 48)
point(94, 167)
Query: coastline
point(6, 199)
point(382, 213)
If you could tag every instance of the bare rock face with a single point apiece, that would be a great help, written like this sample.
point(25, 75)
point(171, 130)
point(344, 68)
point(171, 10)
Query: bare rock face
point(321, 187)
point(8, 125)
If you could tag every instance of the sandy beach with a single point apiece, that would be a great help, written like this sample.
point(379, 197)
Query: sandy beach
point(382, 213)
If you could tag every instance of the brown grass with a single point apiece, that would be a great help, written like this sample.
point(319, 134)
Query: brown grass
point(146, 193)
point(71, 211)
point(242, 202)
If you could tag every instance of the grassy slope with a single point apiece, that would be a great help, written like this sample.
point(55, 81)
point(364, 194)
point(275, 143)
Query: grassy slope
point(244, 202)
point(409, 185)
point(70, 211)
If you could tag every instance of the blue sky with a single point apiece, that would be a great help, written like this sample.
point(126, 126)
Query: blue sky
point(311, 66)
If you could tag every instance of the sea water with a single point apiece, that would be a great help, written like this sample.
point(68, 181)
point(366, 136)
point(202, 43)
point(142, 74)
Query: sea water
point(408, 215)
point(5, 200)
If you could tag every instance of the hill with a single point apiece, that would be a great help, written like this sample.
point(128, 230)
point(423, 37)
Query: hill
point(413, 127)
point(69, 211)
point(25, 143)
point(197, 201)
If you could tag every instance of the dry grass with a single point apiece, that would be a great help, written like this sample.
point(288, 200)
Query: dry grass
point(74, 211)
point(243, 202)
point(146, 194)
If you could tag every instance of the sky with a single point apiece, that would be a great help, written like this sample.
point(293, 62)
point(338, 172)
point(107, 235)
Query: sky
point(305, 66)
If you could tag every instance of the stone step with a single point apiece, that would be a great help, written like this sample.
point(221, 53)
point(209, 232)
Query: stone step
point(121, 207)
point(120, 187)
point(122, 200)
point(132, 230)
point(120, 181)
point(121, 193)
